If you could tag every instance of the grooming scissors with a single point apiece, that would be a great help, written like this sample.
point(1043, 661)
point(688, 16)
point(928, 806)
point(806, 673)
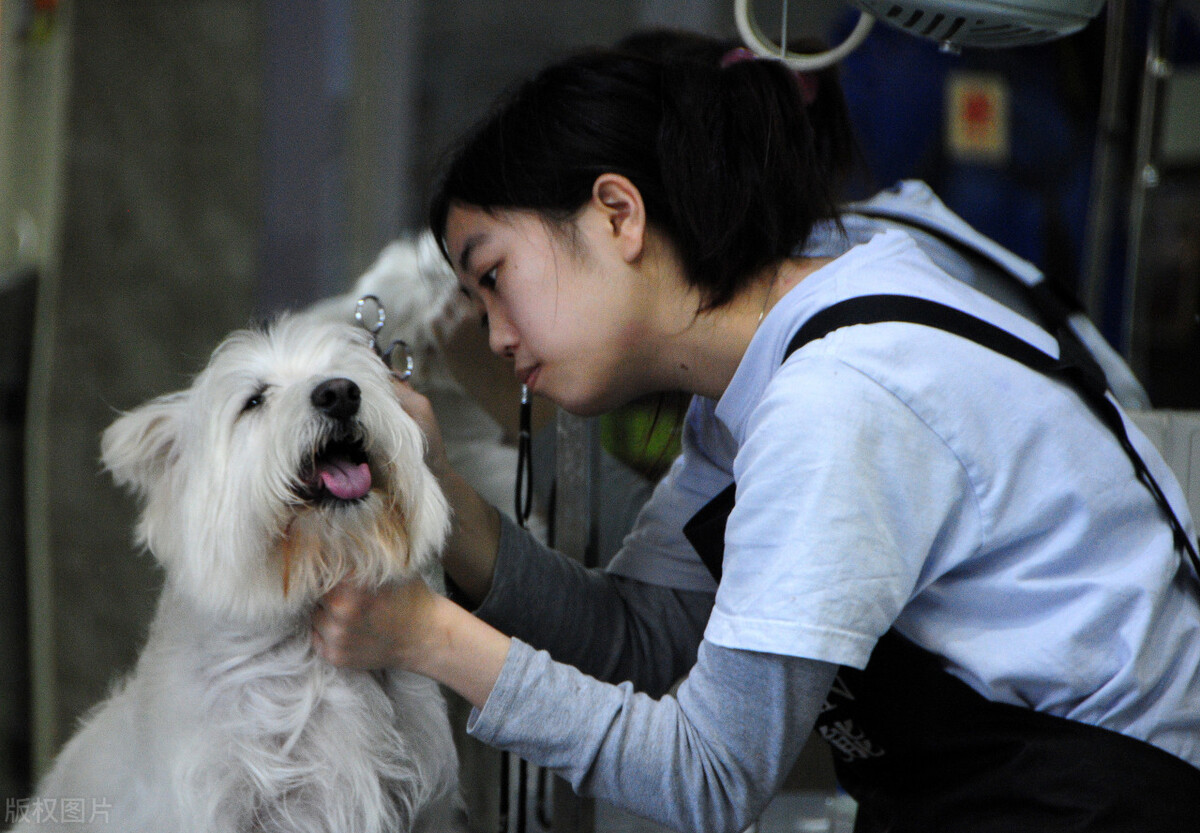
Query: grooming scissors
point(397, 356)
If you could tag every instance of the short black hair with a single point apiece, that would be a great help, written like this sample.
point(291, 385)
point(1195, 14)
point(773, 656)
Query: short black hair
point(732, 164)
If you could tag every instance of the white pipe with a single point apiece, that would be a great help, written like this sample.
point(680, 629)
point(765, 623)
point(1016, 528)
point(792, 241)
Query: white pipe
point(757, 42)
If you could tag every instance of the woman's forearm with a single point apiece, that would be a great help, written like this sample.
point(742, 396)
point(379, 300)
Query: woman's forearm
point(706, 760)
point(470, 552)
point(469, 557)
point(611, 628)
point(461, 652)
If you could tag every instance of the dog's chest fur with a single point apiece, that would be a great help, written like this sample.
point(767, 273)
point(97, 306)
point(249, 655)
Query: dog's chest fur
point(269, 737)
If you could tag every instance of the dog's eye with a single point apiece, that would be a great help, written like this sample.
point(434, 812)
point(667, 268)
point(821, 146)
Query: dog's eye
point(257, 399)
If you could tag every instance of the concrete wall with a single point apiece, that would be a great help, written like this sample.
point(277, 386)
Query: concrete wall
point(156, 260)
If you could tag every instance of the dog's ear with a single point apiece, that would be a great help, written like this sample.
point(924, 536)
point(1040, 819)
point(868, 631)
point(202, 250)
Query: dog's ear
point(140, 447)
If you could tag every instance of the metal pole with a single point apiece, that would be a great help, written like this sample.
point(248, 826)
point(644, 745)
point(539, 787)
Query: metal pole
point(1108, 160)
point(1145, 177)
point(576, 457)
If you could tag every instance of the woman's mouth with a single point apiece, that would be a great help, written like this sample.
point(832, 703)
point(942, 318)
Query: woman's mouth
point(528, 376)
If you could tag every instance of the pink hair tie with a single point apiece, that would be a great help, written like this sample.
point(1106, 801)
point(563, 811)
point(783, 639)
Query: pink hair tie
point(736, 56)
point(805, 81)
point(808, 86)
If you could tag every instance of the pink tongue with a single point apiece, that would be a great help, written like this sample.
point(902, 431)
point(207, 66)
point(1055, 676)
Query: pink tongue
point(346, 480)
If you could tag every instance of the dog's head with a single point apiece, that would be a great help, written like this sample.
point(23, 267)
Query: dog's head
point(286, 466)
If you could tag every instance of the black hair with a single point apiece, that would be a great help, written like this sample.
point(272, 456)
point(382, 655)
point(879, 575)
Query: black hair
point(732, 165)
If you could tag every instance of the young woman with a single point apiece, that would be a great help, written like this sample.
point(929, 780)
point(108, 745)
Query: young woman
point(940, 556)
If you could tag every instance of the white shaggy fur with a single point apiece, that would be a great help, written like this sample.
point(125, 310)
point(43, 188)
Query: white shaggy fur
point(230, 722)
point(420, 294)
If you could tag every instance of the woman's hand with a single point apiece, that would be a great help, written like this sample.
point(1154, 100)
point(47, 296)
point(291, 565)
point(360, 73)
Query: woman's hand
point(420, 409)
point(406, 625)
point(470, 553)
point(359, 628)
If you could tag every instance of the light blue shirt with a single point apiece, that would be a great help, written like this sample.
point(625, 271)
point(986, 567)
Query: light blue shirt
point(977, 506)
point(888, 477)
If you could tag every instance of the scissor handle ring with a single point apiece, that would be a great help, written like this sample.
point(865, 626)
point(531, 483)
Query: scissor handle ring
point(389, 357)
point(380, 315)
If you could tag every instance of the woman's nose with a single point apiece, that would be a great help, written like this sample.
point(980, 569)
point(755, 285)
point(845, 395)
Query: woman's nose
point(502, 336)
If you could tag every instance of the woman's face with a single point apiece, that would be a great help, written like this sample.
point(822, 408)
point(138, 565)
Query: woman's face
point(569, 313)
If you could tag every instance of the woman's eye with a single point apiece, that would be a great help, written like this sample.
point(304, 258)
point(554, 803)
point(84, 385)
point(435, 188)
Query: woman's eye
point(488, 281)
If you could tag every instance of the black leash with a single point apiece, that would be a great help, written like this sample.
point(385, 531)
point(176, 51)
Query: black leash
point(522, 509)
point(523, 499)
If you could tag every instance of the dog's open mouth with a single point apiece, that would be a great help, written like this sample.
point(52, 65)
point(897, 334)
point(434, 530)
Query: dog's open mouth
point(339, 471)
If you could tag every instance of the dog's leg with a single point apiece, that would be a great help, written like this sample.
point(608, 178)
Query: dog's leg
point(421, 717)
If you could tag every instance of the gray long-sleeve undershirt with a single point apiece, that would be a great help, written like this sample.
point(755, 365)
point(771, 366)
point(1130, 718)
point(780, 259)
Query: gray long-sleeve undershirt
point(708, 758)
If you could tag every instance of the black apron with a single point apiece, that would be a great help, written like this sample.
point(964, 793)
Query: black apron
point(923, 752)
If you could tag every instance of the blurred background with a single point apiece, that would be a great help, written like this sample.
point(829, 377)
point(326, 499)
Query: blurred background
point(172, 169)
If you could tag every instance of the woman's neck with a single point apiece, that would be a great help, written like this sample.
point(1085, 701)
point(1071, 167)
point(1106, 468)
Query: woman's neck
point(703, 356)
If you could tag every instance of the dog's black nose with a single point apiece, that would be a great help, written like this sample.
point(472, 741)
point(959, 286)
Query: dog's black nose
point(338, 398)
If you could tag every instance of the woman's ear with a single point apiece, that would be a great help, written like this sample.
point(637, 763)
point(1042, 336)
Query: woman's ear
point(620, 203)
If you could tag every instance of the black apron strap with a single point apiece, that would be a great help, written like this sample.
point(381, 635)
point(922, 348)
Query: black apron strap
point(706, 530)
point(1074, 365)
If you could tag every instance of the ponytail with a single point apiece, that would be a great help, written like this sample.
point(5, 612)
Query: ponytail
point(741, 161)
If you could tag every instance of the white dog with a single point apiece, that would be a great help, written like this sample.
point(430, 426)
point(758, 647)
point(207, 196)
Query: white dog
point(287, 466)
